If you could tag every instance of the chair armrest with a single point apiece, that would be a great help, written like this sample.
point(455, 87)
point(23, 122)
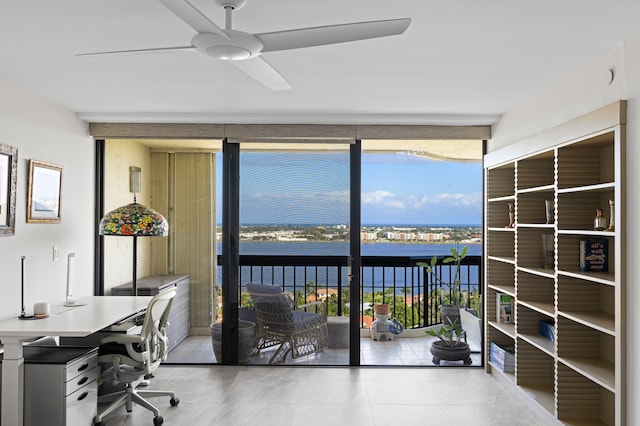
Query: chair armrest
point(321, 307)
point(122, 338)
point(306, 305)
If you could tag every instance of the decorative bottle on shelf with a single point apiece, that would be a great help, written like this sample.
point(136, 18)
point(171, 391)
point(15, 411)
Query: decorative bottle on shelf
point(612, 215)
point(548, 207)
point(512, 216)
point(600, 222)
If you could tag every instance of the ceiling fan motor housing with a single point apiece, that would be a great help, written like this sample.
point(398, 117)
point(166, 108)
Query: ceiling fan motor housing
point(239, 46)
point(236, 4)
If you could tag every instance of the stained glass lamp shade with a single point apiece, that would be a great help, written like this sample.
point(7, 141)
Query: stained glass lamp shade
point(134, 220)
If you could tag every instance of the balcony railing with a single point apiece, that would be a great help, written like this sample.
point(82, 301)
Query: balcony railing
point(414, 296)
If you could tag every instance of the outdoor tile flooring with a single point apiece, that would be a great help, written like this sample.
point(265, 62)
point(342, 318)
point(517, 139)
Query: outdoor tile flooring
point(410, 351)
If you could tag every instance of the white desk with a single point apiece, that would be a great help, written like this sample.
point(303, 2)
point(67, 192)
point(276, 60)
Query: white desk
point(98, 313)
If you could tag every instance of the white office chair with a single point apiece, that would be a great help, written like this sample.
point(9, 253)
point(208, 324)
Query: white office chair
point(131, 357)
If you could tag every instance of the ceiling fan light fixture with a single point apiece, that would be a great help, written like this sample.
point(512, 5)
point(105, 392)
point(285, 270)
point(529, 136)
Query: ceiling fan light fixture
point(239, 46)
point(228, 53)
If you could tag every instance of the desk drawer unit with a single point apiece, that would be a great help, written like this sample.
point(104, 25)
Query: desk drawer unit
point(60, 386)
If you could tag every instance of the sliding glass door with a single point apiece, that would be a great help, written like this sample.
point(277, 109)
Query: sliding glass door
point(293, 230)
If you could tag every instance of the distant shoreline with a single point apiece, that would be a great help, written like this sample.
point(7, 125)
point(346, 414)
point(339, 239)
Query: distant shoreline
point(363, 242)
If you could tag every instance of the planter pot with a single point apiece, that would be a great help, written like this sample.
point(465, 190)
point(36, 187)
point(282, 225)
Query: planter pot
point(246, 314)
point(246, 334)
point(382, 309)
point(450, 353)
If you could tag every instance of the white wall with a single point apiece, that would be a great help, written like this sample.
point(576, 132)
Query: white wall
point(46, 132)
point(585, 92)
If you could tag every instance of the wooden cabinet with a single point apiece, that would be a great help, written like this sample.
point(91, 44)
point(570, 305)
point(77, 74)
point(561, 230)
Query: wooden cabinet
point(179, 317)
point(568, 329)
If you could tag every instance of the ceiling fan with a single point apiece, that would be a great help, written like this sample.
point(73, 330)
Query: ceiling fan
point(244, 49)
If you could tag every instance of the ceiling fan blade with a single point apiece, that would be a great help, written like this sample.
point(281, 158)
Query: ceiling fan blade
point(155, 50)
point(260, 70)
point(331, 34)
point(193, 17)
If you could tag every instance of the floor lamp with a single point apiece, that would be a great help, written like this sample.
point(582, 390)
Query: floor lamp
point(134, 220)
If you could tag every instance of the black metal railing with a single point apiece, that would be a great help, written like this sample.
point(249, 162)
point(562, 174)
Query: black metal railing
point(414, 295)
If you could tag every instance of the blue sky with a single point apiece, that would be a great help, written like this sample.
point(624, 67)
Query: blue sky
point(402, 189)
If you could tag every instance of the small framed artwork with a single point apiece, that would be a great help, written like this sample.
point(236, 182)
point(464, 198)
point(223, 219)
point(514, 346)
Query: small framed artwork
point(43, 199)
point(8, 183)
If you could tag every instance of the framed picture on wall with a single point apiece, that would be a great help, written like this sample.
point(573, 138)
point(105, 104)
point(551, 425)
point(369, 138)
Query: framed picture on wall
point(43, 199)
point(8, 183)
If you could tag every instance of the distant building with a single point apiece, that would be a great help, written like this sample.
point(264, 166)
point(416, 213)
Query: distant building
point(324, 293)
point(414, 300)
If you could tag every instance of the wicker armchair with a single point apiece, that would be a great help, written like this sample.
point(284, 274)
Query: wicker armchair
point(299, 330)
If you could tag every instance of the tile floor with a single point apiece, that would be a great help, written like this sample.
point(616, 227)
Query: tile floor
point(282, 395)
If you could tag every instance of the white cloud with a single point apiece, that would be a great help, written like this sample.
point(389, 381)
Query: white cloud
point(382, 198)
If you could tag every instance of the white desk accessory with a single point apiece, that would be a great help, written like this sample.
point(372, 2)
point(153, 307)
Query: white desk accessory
point(69, 298)
point(23, 316)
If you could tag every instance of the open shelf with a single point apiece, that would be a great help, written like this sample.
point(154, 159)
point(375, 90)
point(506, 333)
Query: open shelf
point(528, 327)
point(511, 260)
point(539, 342)
point(589, 162)
point(542, 307)
point(535, 374)
point(543, 272)
point(582, 401)
point(535, 171)
point(540, 394)
point(510, 290)
point(565, 276)
point(598, 370)
point(596, 277)
point(502, 244)
point(600, 321)
point(587, 351)
point(500, 181)
point(505, 328)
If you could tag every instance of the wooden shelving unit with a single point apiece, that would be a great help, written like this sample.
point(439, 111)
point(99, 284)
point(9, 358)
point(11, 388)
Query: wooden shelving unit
point(577, 376)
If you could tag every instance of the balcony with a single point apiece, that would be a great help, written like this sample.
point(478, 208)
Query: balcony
point(414, 297)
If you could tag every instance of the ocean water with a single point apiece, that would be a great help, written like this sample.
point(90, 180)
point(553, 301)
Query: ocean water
point(373, 278)
point(318, 248)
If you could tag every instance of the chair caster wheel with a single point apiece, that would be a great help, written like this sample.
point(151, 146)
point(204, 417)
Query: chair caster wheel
point(174, 401)
point(157, 421)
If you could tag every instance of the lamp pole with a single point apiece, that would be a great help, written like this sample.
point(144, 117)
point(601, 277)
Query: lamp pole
point(135, 264)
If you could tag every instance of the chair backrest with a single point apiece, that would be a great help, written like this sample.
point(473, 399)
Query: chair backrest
point(273, 307)
point(154, 328)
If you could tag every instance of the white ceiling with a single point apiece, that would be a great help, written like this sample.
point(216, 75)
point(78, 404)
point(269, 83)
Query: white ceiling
point(459, 62)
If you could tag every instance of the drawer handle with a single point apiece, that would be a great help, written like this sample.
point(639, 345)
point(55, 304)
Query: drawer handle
point(83, 396)
point(83, 380)
point(83, 367)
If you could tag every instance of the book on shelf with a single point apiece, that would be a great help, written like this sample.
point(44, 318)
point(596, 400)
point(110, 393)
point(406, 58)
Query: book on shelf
point(547, 329)
point(504, 308)
point(502, 356)
point(594, 255)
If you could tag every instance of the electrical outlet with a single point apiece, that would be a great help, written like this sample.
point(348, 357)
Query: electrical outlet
point(56, 254)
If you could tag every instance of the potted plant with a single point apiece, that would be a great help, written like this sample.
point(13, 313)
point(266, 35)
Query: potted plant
point(449, 346)
point(449, 312)
point(247, 312)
